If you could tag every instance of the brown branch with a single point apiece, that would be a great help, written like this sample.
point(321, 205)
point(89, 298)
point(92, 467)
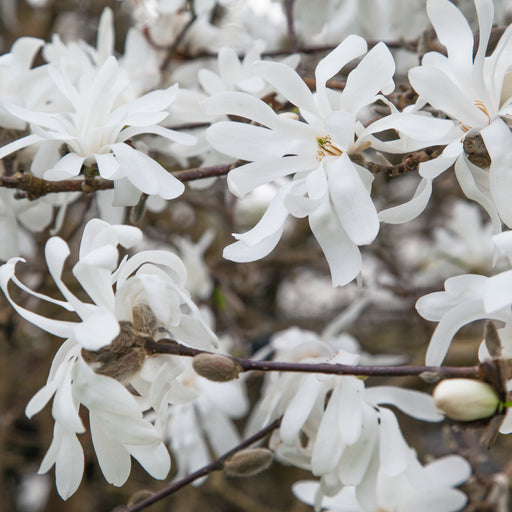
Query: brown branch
point(409, 162)
point(35, 187)
point(443, 372)
point(292, 37)
point(216, 465)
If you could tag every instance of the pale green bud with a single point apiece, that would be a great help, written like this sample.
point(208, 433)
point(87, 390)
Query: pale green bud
point(466, 399)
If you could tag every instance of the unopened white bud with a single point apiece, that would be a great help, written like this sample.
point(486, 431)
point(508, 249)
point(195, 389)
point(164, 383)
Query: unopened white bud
point(466, 399)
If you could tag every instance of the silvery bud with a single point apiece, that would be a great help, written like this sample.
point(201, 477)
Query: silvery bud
point(466, 399)
point(248, 462)
point(216, 367)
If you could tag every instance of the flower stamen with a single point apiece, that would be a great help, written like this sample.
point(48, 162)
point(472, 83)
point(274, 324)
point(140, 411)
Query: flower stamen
point(479, 104)
point(327, 148)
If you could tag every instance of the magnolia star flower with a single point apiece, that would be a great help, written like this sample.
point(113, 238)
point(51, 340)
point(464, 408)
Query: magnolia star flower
point(476, 93)
point(422, 488)
point(349, 434)
point(326, 187)
point(467, 298)
point(105, 350)
point(95, 128)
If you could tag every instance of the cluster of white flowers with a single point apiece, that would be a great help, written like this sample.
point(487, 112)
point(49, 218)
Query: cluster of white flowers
point(296, 148)
point(351, 437)
point(149, 294)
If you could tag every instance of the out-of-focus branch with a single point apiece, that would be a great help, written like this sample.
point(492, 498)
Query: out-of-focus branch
point(35, 187)
point(290, 25)
point(216, 465)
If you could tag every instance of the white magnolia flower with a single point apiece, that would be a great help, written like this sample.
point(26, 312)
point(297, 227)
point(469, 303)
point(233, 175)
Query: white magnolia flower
point(475, 92)
point(149, 296)
point(327, 187)
point(140, 60)
point(421, 488)
point(118, 429)
point(349, 435)
point(467, 298)
point(96, 127)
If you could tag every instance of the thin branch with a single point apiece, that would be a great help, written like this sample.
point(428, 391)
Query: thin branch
point(292, 37)
point(35, 187)
point(409, 162)
point(444, 372)
point(216, 465)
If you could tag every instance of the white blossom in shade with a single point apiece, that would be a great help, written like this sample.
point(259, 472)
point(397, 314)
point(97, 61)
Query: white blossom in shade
point(96, 127)
point(468, 298)
point(236, 75)
point(475, 92)
point(199, 282)
point(420, 488)
point(462, 243)
point(140, 60)
point(325, 185)
point(17, 79)
point(153, 280)
point(349, 435)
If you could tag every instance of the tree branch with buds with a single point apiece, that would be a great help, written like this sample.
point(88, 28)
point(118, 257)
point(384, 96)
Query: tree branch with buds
point(225, 461)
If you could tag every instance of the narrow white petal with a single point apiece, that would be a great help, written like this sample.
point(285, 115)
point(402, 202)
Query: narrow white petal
point(59, 328)
point(498, 291)
point(498, 141)
point(107, 165)
point(443, 94)
point(68, 166)
point(286, 81)
point(113, 458)
point(412, 208)
point(418, 127)
point(371, 75)
point(352, 201)
point(351, 47)
point(153, 458)
point(341, 252)
point(247, 177)
point(448, 471)
point(452, 321)
point(249, 142)
point(69, 464)
point(414, 403)
point(300, 407)
point(272, 221)
point(243, 105)
point(393, 448)
point(174, 135)
point(453, 31)
point(19, 144)
point(357, 458)
point(328, 446)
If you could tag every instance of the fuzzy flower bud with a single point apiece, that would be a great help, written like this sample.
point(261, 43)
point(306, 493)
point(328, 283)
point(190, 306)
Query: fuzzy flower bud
point(248, 462)
point(216, 367)
point(466, 399)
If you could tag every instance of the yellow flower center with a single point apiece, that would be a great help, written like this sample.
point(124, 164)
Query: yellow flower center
point(327, 148)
